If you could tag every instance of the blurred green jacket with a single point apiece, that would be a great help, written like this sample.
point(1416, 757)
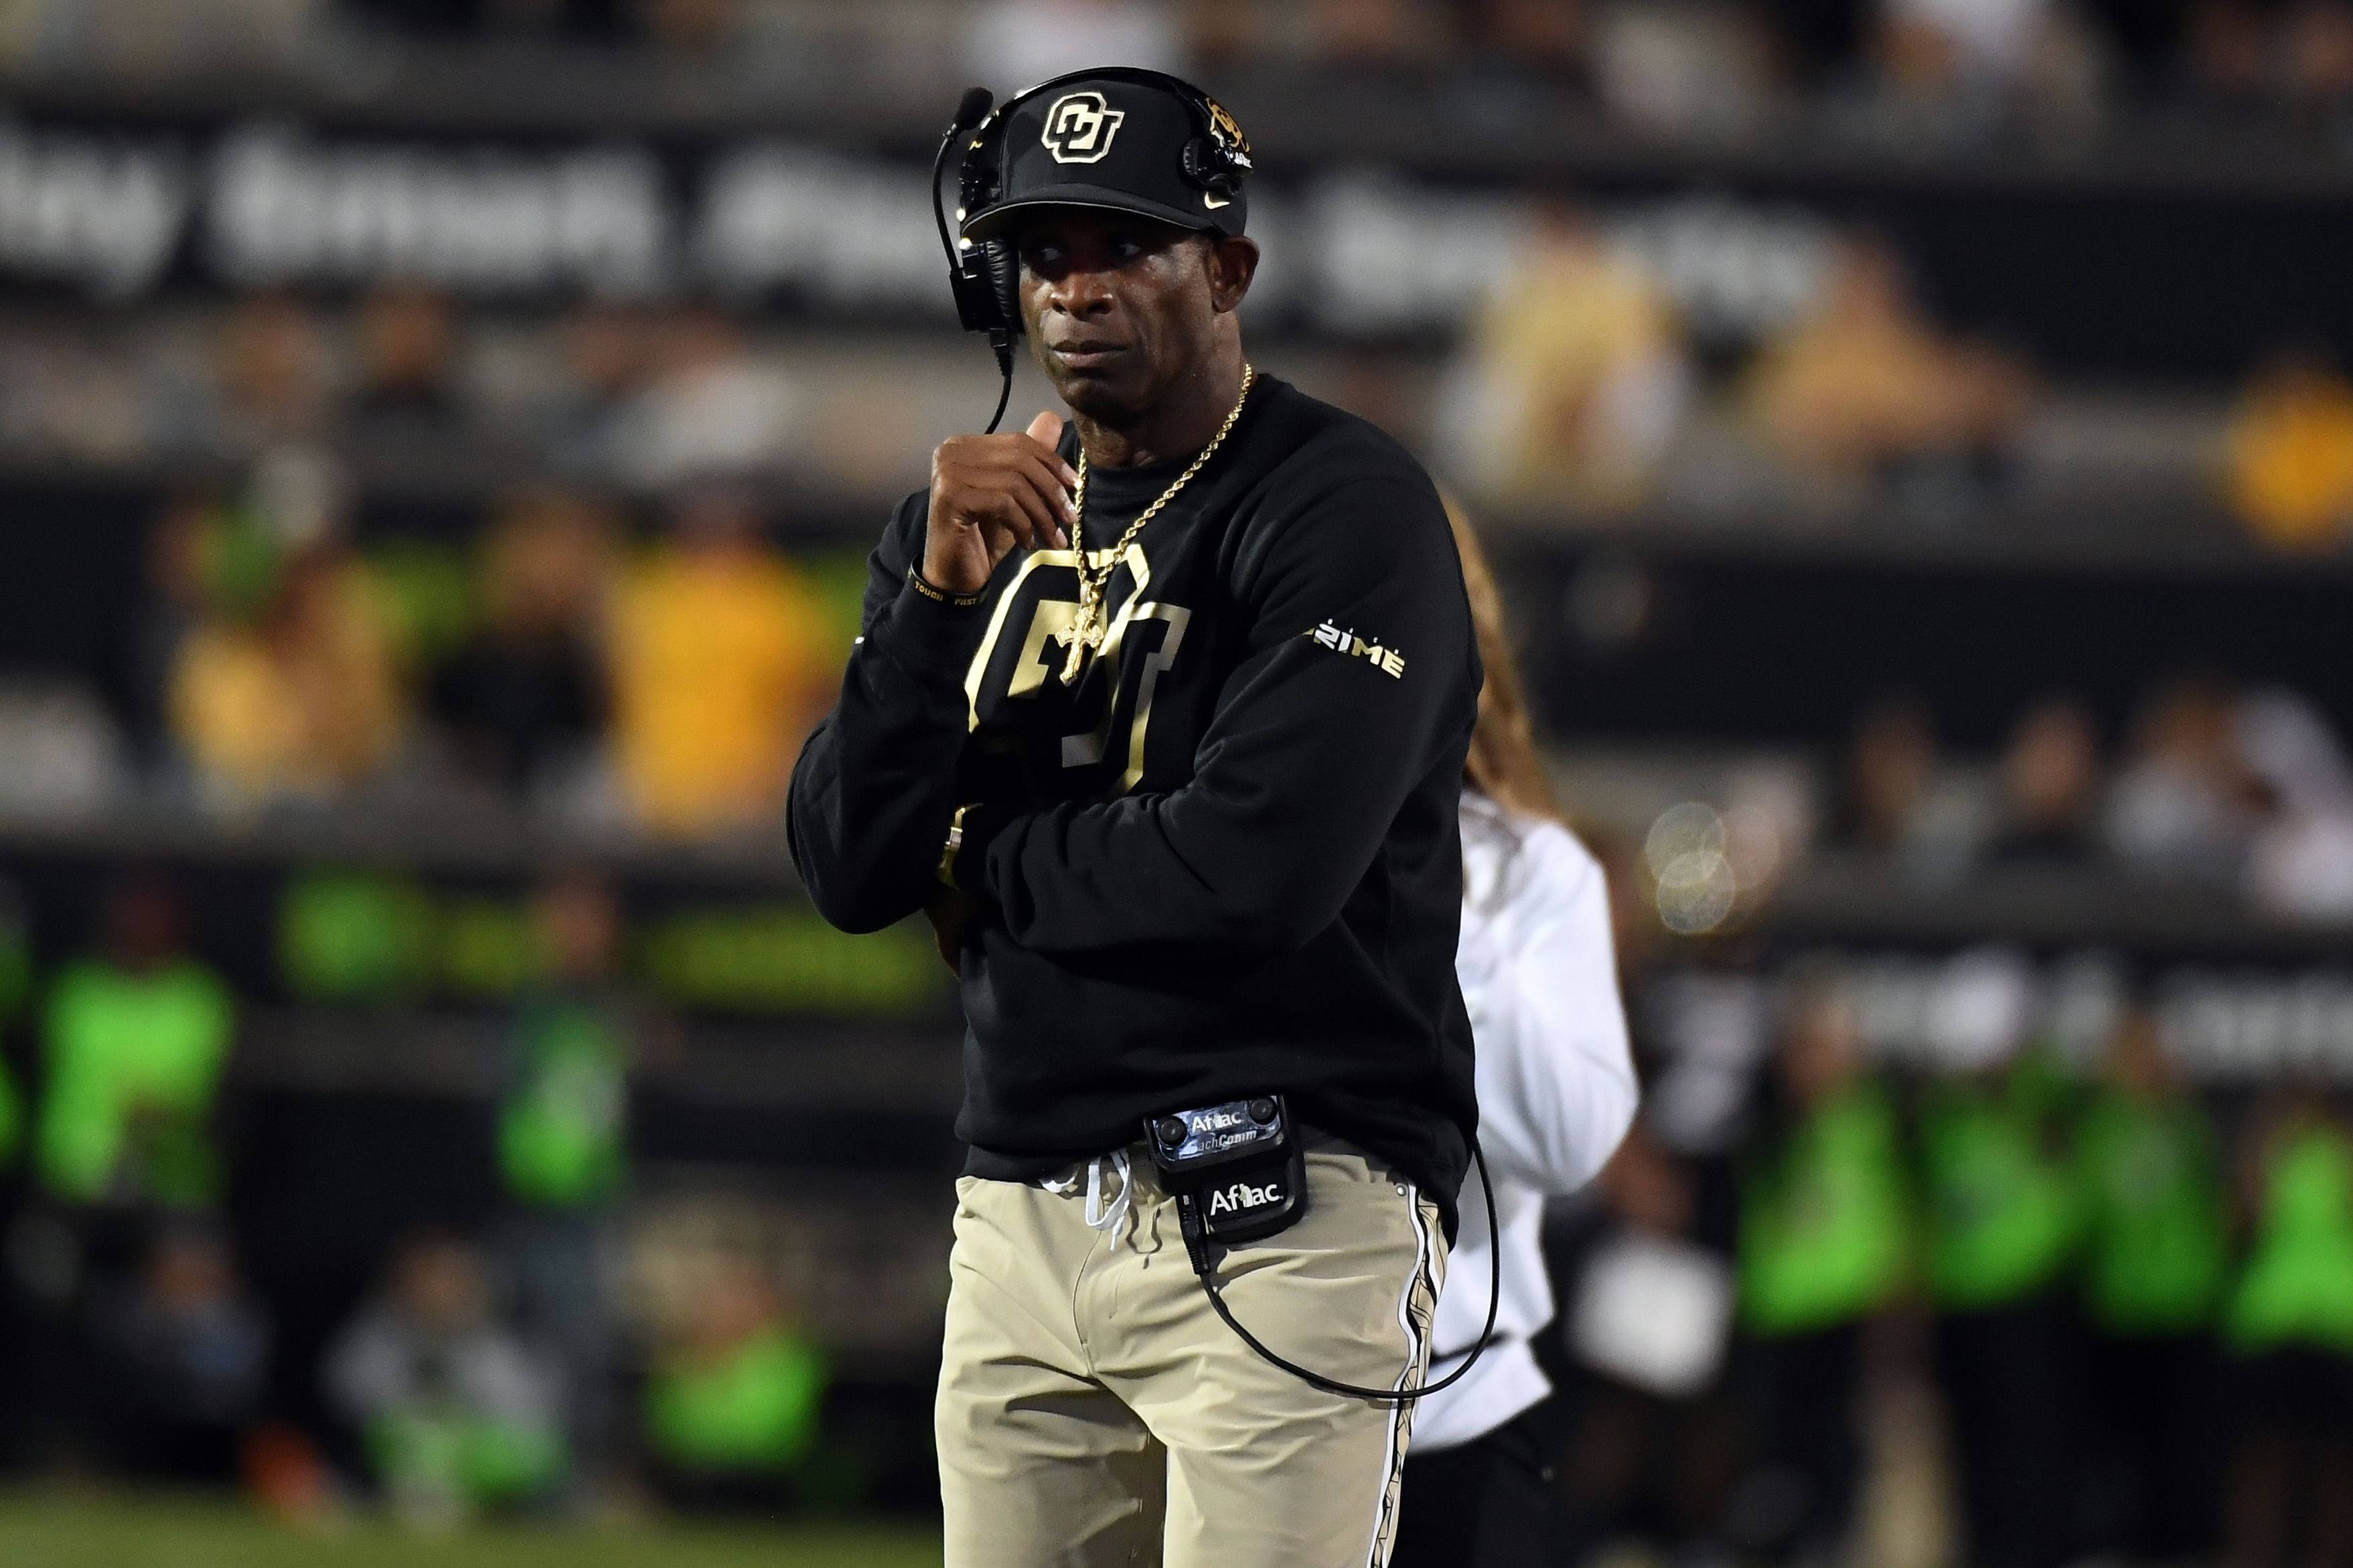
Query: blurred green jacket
point(457, 1460)
point(2157, 1244)
point(2297, 1286)
point(1824, 1221)
point(134, 1069)
point(562, 1129)
point(752, 1410)
point(2004, 1213)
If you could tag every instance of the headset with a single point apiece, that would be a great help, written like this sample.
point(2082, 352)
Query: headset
point(985, 275)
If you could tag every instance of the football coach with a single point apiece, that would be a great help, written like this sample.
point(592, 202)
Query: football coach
point(1162, 714)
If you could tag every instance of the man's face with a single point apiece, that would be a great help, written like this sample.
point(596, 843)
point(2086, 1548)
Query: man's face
point(1119, 309)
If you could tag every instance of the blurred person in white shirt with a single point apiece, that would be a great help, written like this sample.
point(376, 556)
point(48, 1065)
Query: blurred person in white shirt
point(711, 407)
point(1933, 47)
point(2183, 806)
point(1556, 1092)
point(2300, 862)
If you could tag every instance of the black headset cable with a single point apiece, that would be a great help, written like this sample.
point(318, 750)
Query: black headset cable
point(1189, 1216)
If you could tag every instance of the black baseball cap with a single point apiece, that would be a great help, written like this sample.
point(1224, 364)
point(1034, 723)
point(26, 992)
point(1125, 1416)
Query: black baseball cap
point(1119, 139)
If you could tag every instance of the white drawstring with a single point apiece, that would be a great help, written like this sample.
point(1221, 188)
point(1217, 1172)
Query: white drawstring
point(1113, 1217)
point(1112, 1220)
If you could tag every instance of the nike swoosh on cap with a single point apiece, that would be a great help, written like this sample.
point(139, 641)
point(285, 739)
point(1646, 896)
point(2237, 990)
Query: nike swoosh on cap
point(1214, 203)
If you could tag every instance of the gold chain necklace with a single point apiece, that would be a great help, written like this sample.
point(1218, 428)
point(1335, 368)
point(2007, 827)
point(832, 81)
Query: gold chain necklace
point(1087, 634)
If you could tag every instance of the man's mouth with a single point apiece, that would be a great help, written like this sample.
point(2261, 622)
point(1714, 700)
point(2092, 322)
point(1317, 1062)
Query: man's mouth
point(1088, 355)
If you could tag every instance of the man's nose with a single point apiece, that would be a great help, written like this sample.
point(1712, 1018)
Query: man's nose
point(1081, 291)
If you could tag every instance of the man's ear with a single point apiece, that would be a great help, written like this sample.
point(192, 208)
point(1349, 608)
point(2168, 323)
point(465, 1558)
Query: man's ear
point(1233, 262)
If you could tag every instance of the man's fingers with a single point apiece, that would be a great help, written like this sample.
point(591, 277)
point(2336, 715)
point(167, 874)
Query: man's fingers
point(1047, 431)
point(1045, 476)
point(1015, 488)
point(1040, 517)
point(1027, 482)
point(1065, 478)
point(1012, 509)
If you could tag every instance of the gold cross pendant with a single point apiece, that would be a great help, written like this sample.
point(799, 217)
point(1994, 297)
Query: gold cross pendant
point(1086, 636)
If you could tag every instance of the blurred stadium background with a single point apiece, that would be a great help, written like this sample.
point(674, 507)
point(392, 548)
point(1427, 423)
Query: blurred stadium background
point(439, 439)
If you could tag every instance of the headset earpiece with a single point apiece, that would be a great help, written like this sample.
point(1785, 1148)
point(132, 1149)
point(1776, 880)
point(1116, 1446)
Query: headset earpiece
point(1001, 265)
point(992, 265)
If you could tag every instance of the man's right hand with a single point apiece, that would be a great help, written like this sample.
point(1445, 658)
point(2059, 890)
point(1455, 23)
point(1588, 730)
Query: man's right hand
point(990, 493)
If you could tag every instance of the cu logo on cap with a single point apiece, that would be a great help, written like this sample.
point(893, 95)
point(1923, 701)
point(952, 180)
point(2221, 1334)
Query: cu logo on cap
point(1080, 126)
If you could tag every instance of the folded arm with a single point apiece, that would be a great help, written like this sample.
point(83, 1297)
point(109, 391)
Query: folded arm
point(875, 785)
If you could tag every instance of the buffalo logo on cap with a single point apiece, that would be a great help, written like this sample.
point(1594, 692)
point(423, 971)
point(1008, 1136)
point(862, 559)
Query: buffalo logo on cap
point(1080, 126)
point(1230, 133)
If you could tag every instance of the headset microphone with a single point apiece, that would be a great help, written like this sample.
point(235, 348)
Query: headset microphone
point(974, 107)
point(979, 272)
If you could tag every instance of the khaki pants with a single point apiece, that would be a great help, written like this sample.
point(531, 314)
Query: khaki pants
point(1093, 1411)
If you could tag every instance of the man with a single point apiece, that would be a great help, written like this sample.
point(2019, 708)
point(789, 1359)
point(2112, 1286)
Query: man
point(1165, 717)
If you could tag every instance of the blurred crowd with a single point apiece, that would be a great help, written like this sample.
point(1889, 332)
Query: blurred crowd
point(1590, 377)
point(632, 669)
point(1587, 380)
point(1917, 67)
point(2209, 796)
point(486, 1367)
point(1582, 383)
point(403, 382)
point(2209, 787)
point(2121, 1301)
point(2122, 1296)
point(650, 673)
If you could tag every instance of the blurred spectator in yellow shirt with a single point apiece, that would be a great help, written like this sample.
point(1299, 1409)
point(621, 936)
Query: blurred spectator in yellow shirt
point(1575, 380)
point(719, 667)
point(1865, 381)
point(286, 686)
point(2291, 454)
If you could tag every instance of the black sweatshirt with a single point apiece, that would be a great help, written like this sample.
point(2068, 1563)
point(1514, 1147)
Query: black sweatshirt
point(1226, 862)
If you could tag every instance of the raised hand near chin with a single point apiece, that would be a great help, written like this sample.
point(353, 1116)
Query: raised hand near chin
point(990, 493)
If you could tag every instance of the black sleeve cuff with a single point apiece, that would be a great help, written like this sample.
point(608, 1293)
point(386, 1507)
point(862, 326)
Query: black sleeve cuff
point(983, 822)
point(934, 631)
